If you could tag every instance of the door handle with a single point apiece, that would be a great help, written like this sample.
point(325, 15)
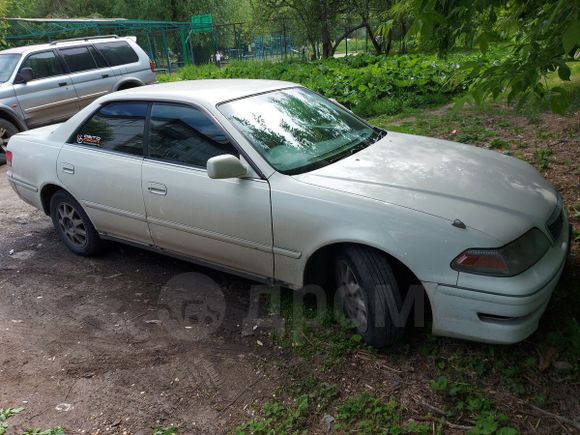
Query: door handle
point(61, 84)
point(105, 76)
point(157, 189)
point(67, 168)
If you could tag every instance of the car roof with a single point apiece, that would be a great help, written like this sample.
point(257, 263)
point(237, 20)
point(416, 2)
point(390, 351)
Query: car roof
point(205, 92)
point(25, 49)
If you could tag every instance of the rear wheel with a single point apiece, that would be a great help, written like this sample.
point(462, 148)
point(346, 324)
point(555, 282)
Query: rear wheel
point(368, 294)
point(73, 225)
point(7, 130)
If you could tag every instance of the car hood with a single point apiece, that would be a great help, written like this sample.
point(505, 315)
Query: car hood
point(488, 191)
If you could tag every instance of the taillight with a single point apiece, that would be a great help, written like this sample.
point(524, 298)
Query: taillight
point(151, 65)
point(9, 158)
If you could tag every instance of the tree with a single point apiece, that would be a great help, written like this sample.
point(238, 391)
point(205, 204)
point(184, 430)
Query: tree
point(320, 18)
point(3, 24)
point(541, 37)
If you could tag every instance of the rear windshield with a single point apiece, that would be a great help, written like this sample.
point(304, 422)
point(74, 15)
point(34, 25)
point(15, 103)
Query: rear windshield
point(7, 64)
point(117, 53)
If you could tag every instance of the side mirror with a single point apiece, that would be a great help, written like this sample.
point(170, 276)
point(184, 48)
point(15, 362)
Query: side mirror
point(225, 166)
point(24, 76)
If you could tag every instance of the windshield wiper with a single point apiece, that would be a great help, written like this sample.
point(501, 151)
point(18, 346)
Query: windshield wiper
point(380, 133)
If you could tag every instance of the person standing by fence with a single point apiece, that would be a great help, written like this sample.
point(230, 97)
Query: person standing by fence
point(218, 58)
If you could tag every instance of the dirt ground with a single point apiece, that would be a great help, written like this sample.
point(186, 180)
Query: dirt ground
point(131, 340)
point(112, 344)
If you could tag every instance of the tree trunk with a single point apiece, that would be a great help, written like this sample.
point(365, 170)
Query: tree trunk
point(389, 42)
point(403, 34)
point(346, 34)
point(376, 45)
point(327, 49)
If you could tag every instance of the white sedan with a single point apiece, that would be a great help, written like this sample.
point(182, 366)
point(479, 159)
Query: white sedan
point(269, 180)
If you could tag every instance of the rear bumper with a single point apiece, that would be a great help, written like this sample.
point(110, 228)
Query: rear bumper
point(505, 313)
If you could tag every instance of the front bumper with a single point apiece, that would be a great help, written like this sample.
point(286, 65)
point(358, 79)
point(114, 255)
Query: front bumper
point(498, 310)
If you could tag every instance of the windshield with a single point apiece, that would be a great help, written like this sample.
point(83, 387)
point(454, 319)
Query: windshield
point(7, 64)
point(297, 130)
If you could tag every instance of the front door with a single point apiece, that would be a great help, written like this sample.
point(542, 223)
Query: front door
point(223, 222)
point(101, 167)
point(50, 96)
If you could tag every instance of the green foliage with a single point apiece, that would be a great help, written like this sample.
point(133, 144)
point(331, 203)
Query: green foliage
point(542, 158)
point(467, 399)
point(367, 414)
point(53, 431)
point(499, 144)
point(370, 85)
point(7, 413)
point(279, 417)
point(170, 430)
point(542, 34)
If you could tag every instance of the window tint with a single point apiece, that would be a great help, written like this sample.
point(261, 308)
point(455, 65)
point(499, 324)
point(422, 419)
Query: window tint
point(115, 127)
point(185, 135)
point(118, 53)
point(43, 65)
point(78, 59)
point(98, 57)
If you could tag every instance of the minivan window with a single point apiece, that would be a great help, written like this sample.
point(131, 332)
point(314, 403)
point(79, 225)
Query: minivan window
point(118, 53)
point(98, 57)
point(7, 64)
point(78, 59)
point(44, 64)
point(184, 134)
point(115, 127)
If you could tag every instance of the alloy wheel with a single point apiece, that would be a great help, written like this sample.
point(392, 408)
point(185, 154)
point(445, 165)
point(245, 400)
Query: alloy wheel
point(71, 225)
point(353, 301)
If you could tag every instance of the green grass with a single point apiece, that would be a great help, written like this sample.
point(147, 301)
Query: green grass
point(7, 413)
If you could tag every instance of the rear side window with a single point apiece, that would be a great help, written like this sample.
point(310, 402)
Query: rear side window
point(115, 127)
point(43, 65)
point(118, 53)
point(78, 59)
point(98, 57)
point(183, 134)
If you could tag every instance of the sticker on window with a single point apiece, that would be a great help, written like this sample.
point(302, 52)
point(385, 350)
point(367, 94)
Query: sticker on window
point(88, 139)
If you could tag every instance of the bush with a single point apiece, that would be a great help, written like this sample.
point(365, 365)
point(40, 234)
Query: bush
point(369, 85)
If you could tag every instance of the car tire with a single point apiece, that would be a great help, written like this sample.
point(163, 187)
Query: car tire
point(368, 294)
point(73, 225)
point(7, 130)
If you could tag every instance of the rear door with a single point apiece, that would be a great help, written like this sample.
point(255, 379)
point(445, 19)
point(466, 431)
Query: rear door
point(50, 96)
point(90, 75)
point(101, 166)
point(119, 55)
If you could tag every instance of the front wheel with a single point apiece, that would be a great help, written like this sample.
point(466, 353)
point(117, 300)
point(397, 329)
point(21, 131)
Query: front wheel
point(7, 130)
point(73, 225)
point(369, 295)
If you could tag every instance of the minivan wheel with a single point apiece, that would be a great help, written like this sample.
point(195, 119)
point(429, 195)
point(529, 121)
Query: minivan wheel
point(368, 294)
point(7, 130)
point(73, 225)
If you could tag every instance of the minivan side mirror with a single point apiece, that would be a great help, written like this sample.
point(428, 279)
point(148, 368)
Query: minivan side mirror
point(225, 166)
point(24, 76)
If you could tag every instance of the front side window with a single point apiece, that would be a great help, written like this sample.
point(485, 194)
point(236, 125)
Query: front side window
point(118, 53)
point(7, 64)
point(43, 65)
point(78, 59)
point(297, 130)
point(183, 134)
point(115, 127)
